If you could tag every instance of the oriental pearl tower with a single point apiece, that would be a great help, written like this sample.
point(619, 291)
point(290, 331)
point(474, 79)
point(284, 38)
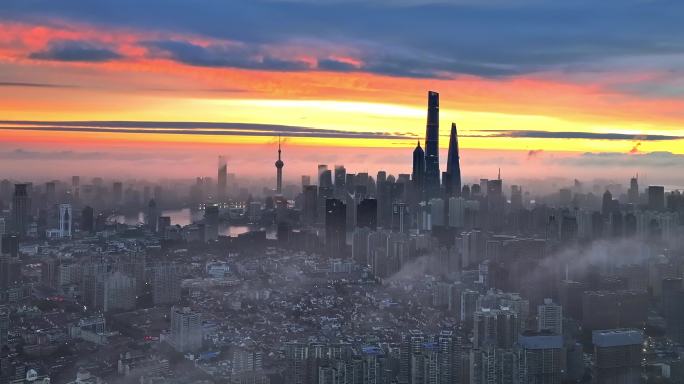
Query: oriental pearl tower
point(279, 168)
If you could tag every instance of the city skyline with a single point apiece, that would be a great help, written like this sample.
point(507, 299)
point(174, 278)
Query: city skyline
point(341, 192)
point(72, 74)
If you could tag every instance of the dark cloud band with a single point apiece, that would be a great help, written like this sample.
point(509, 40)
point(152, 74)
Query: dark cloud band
point(530, 134)
point(195, 128)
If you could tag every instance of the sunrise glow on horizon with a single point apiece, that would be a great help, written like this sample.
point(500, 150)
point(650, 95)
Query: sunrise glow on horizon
point(80, 64)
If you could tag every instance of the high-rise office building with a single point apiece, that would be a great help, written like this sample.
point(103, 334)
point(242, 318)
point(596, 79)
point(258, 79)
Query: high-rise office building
point(432, 172)
point(516, 198)
point(222, 178)
point(65, 220)
point(607, 205)
point(633, 192)
point(166, 284)
point(279, 164)
point(323, 174)
point(457, 207)
point(335, 228)
point(211, 221)
point(186, 329)
point(118, 292)
point(152, 215)
point(340, 178)
point(542, 358)
point(50, 193)
point(4, 325)
point(87, 219)
point(411, 344)
point(418, 173)
point(452, 176)
point(656, 197)
point(310, 208)
point(437, 213)
point(400, 217)
point(10, 245)
point(21, 209)
point(550, 317)
point(617, 356)
point(367, 214)
point(495, 328)
point(374, 370)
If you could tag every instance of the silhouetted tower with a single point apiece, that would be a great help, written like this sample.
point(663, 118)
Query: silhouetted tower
point(335, 228)
point(418, 173)
point(21, 208)
point(452, 182)
point(432, 146)
point(152, 215)
point(222, 178)
point(279, 171)
point(607, 203)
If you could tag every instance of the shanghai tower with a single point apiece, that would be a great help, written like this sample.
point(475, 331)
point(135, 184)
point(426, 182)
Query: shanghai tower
point(452, 183)
point(432, 146)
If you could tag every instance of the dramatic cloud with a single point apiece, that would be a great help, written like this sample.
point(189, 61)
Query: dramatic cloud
point(194, 128)
point(404, 38)
point(223, 55)
point(34, 85)
point(71, 50)
point(573, 135)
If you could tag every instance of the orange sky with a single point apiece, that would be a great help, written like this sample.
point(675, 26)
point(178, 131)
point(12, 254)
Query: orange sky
point(138, 87)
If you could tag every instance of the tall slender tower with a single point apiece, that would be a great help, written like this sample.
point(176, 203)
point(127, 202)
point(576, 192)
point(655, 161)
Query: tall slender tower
point(222, 178)
point(21, 209)
point(432, 146)
point(418, 174)
point(453, 164)
point(279, 171)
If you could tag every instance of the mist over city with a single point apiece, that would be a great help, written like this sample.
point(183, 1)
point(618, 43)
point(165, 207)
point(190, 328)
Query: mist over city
point(341, 192)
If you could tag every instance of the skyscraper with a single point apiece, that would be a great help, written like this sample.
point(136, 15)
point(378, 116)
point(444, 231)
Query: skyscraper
point(118, 292)
point(340, 179)
point(418, 173)
point(633, 192)
point(65, 220)
point(321, 169)
point(452, 183)
point(656, 198)
point(152, 215)
point(279, 164)
point(310, 209)
point(21, 208)
point(87, 219)
point(542, 358)
point(166, 285)
point(4, 325)
point(617, 355)
point(432, 172)
point(211, 222)
point(186, 329)
point(335, 228)
point(367, 214)
point(222, 178)
point(550, 317)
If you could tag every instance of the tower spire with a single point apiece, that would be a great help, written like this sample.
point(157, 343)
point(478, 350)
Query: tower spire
point(279, 164)
point(432, 173)
point(452, 176)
